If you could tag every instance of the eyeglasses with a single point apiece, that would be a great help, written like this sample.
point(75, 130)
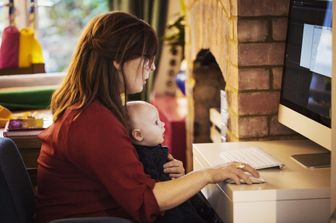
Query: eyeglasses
point(149, 64)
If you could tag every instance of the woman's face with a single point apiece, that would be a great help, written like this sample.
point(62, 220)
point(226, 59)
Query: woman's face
point(137, 72)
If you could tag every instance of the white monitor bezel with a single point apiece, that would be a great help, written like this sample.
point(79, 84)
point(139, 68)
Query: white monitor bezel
point(305, 126)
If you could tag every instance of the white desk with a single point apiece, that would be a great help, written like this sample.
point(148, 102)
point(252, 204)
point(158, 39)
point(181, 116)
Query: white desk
point(293, 194)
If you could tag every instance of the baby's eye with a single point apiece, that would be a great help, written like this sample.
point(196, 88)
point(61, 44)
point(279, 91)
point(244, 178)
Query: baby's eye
point(157, 122)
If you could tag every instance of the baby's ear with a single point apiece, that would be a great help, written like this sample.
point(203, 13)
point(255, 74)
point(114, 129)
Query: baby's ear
point(137, 135)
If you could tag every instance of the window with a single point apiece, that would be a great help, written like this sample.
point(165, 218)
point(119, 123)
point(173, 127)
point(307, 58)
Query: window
point(3, 17)
point(58, 26)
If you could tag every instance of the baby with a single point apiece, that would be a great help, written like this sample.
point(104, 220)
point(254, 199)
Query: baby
point(147, 132)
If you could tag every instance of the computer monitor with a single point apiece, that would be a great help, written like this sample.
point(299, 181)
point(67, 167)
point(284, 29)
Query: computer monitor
point(305, 101)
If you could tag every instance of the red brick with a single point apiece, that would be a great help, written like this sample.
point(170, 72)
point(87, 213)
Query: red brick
point(257, 78)
point(279, 29)
point(263, 7)
point(252, 54)
point(277, 128)
point(252, 30)
point(277, 77)
point(258, 103)
point(253, 127)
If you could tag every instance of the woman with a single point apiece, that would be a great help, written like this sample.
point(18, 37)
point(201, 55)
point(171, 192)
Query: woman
point(87, 165)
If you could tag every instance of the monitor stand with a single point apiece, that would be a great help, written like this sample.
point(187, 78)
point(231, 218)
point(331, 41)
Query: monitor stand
point(313, 160)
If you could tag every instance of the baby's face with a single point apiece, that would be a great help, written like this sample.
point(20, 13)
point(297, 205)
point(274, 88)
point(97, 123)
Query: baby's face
point(152, 128)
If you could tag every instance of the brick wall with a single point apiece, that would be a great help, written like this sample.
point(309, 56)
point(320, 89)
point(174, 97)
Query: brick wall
point(247, 38)
point(261, 33)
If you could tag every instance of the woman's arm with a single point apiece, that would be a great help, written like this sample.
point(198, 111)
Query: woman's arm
point(171, 193)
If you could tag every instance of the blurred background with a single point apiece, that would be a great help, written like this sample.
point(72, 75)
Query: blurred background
point(58, 23)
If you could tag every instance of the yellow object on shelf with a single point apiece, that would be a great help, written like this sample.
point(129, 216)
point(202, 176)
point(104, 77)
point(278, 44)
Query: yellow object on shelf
point(25, 49)
point(5, 115)
point(30, 50)
point(37, 55)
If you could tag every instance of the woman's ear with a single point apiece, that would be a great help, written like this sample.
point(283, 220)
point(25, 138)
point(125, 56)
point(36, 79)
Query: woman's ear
point(116, 65)
point(137, 135)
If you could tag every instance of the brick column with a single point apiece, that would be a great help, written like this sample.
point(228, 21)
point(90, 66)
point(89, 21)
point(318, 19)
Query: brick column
point(247, 38)
point(261, 28)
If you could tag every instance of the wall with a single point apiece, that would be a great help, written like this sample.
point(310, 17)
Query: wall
point(261, 35)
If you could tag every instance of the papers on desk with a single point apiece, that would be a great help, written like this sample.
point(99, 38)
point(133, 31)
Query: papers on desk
point(254, 156)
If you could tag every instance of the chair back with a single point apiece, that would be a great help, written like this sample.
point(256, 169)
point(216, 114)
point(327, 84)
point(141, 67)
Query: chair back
point(16, 192)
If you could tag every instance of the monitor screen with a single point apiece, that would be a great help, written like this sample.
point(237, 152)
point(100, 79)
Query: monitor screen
point(306, 85)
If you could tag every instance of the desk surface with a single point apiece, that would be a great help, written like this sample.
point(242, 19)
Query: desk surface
point(292, 182)
point(292, 194)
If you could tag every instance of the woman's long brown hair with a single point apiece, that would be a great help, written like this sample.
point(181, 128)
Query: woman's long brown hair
point(114, 36)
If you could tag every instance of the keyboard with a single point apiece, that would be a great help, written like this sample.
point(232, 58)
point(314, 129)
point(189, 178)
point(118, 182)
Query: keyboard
point(254, 156)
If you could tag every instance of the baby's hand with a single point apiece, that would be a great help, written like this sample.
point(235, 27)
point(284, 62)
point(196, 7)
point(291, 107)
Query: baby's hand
point(174, 168)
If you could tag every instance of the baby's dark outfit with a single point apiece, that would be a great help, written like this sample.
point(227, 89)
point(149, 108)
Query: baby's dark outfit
point(153, 158)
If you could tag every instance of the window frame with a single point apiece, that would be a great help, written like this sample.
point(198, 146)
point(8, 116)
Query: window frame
point(21, 19)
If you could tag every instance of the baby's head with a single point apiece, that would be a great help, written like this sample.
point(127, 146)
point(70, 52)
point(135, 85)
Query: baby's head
point(146, 126)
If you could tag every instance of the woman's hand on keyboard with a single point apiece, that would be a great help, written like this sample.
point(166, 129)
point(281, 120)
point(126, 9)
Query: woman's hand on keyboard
point(234, 170)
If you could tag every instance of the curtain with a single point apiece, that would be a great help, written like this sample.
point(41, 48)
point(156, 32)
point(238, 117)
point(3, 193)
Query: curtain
point(153, 12)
